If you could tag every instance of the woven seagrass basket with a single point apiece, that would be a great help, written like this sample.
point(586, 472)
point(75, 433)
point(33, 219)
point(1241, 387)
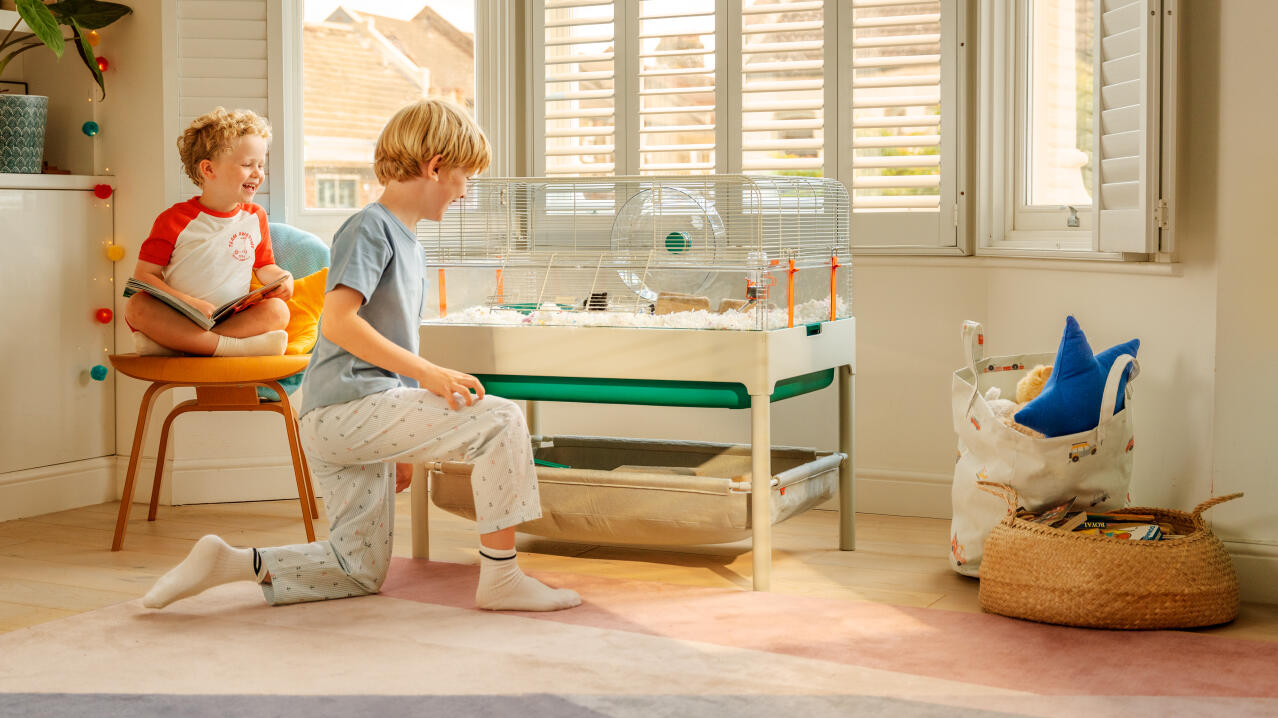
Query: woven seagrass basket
point(1046, 574)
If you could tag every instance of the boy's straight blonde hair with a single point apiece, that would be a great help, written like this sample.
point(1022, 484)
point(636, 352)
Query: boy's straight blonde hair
point(424, 129)
point(215, 132)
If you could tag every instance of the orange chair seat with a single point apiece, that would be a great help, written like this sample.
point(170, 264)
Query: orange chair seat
point(212, 370)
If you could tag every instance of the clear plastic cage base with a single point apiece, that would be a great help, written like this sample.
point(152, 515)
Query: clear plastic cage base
point(685, 252)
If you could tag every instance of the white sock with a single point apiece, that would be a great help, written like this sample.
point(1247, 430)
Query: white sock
point(268, 344)
point(212, 562)
point(146, 346)
point(503, 587)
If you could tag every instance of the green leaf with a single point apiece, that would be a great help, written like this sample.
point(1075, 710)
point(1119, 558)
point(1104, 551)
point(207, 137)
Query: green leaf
point(86, 54)
point(42, 23)
point(89, 14)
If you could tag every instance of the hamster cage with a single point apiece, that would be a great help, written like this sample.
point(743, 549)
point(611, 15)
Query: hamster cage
point(718, 291)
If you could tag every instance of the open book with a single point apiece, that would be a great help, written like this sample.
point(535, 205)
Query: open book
point(226, 310)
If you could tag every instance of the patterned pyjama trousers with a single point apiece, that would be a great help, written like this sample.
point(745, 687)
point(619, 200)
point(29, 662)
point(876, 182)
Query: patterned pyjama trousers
point(352, 449)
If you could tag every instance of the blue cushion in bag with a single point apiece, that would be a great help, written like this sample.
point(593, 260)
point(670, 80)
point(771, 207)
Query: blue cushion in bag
point(1071, 398)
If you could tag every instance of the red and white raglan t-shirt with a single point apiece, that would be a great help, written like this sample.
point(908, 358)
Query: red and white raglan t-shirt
point(206, 254)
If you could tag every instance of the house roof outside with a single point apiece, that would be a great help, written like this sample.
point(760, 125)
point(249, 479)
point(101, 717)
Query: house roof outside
point(359, 69)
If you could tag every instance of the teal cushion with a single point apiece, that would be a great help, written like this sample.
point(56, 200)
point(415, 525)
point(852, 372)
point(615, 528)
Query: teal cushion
point(301, 254)
point(1071, 399)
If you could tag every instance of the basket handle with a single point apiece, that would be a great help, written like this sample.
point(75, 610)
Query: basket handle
point(1003, 491)
point(973, 338)
point(1200, 508)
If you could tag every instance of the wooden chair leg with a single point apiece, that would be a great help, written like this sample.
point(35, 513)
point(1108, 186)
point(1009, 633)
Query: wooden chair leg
point(299, 467)
point(306, 471)
point(139, 435)
point(306, 466)
point(162, 452)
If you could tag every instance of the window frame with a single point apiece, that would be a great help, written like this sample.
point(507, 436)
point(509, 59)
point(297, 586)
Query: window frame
point(998, 113)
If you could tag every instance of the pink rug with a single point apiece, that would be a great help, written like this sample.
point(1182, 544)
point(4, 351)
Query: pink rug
point(633, 650)
point(973, 648)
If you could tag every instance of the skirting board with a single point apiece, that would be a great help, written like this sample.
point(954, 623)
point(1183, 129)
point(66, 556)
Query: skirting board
point(900, 493)
point(33, 492)
point(212, 481)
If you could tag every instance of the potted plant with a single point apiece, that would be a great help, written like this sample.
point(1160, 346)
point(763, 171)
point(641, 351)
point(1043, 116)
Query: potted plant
point(22, 117)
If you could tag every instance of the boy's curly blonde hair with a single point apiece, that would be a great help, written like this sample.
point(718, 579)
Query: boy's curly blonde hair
point(213, 133)
point(424, 129)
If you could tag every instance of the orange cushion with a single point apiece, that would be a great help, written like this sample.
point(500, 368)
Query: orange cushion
point(304, 309)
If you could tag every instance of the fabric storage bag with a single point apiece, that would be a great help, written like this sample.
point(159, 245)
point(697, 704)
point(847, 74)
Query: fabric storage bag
point(634, 491)
point(1094, 466)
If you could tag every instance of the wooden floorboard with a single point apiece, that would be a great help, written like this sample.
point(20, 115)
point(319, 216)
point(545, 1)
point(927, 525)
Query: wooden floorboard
point(58, 565)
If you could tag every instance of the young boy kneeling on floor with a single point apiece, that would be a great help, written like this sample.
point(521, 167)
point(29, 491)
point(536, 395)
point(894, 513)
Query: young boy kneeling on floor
point(370, 400)
point(205, 250)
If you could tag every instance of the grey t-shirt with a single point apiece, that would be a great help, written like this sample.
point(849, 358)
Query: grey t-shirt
point(377, 256)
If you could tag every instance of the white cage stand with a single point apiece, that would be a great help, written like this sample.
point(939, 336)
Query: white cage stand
point(755, 360)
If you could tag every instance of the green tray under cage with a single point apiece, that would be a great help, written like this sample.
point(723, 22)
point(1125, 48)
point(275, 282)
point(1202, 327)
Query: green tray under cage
point(723, 395)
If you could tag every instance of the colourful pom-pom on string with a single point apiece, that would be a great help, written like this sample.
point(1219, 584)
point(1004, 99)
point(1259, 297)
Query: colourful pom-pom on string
point(90, 128)
point(102, 191)
point(103, 315)
point(98, 372)
point(103, 64)
point(93, 37)
point(115, 252)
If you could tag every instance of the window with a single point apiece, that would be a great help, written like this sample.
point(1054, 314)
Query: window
point(1081, 86)
point(336, 192)
point(359, 61)
point(796, 87)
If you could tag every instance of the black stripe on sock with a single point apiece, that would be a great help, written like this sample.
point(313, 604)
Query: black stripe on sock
point(257, 563)
point(494, 558)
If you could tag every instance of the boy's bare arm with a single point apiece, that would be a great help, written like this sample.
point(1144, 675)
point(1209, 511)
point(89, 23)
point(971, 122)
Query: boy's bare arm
point(150, 273)
point(268, 273)
point(343, 326)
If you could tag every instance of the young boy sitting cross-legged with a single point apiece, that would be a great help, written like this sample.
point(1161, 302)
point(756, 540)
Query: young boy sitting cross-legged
point(206, 249)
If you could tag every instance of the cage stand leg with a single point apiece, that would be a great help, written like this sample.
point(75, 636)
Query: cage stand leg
point(847, 489)
point(761, 490)
point(532, 417)
point(419, 503)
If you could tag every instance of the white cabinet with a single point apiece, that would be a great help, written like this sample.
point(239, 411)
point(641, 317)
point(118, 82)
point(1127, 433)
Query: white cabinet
point(54, 276)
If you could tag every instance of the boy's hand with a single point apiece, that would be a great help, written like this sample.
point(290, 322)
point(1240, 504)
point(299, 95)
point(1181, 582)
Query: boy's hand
point(284, 291)
point(201, 306)
point(448, 383)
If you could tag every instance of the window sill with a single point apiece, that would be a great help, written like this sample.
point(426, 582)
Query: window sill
point(1050, 264)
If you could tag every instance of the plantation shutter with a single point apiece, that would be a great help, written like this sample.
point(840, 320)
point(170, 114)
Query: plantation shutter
point(222, 60)
point(783, 87)
point(676, 97)
point(575, 48)
point(1129, 125)
point(901, 78)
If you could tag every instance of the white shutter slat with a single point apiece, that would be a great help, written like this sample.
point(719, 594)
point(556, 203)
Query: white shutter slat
point(221, 52)
point(221, 29)
point(246, 69)
point(1128, 103)
point(222, 9)
point(782, 83)
point(897, 141)
point(677, 80)
point(579, 87)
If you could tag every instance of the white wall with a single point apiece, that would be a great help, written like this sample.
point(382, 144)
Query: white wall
point(1232, 120)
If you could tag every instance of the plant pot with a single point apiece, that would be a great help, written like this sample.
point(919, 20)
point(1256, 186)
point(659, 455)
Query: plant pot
point(22, 122)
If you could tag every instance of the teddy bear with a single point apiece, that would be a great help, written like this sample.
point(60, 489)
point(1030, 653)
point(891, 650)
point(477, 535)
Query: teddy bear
point(1027, 389)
